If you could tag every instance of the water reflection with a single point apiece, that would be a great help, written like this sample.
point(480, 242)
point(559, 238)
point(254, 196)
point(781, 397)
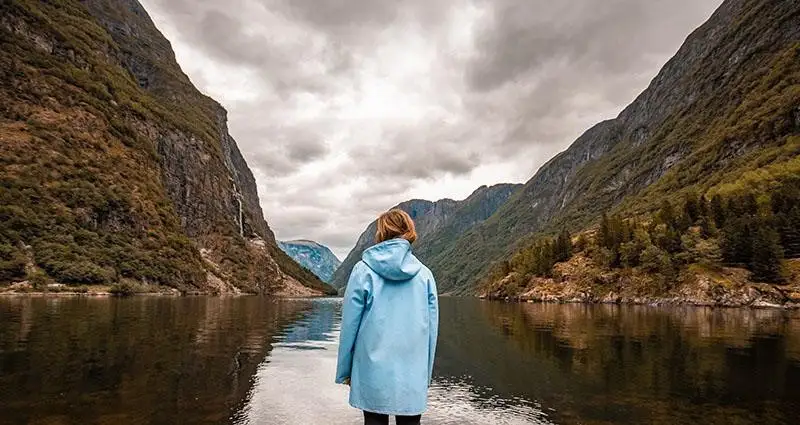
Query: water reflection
point(635, 364)
point(458, 401)
point(251, 360)
point(139, 360)
point(294, 384)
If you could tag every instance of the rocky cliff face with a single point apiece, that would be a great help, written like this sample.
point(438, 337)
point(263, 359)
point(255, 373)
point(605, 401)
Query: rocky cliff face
point(724, 106)
point(313, 256)
point(148, 56)
point(139, 159)
point(437, 223)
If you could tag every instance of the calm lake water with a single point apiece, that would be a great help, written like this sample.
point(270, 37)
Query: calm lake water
point(250, 360)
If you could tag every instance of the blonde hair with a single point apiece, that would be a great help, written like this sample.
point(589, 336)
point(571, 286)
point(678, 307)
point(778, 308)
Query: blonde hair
point(395, 223)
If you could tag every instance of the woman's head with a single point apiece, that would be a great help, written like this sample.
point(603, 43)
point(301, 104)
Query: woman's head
point(395, 224)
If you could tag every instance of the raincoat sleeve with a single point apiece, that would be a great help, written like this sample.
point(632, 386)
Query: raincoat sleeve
point(433, 325)
point(355, 297)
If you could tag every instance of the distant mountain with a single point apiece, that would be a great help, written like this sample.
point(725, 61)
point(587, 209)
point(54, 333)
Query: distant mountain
point(721, 116)
point(313, 256)
point(438, 223)
point(115, 167)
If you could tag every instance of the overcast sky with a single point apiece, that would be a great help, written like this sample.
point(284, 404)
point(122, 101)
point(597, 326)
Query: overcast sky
point(344, 108)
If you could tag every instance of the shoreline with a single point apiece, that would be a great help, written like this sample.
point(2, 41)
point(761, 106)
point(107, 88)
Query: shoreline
point(649, 302)
point(768, 297)
point(106, 293)
point(643, 301)
point(39, 294)
point(130, 288)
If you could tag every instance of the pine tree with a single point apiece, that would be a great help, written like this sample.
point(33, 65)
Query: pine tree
point(563, 249)
point(788, 224)
point(670, 240)
point(548, 258)
point(718, 211)
point(666, 215)
point(691, 208)
point(604, 236)
point(767, 255)
point(667, 235)
point(786, 208)
point(749, 204)
point(619, 234)
point(703, 208)
point(656, 260)
point(784, 199)
point(737, 241)
point(742, 205)
point(505, 268)
point(544, 259)
point(631, 251)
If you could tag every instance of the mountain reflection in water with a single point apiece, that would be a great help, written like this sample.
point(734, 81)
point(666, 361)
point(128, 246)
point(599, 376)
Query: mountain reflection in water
point(293, 386)
point(251, 360)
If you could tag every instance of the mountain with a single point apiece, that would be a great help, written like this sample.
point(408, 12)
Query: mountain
point(437, 223)
point(115, 167)
point(313, 256)
point(722, 114)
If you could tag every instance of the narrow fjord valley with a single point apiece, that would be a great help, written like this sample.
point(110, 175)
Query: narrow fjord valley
point(117, 171)
point(120, 177)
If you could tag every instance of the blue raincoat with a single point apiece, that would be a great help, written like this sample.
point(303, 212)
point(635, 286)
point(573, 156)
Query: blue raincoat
point(390, 321)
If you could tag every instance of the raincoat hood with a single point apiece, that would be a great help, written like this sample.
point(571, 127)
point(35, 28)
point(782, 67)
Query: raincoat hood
point(392, 260)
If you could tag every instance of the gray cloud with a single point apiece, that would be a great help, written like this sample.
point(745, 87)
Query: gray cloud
point(345, 108)
point(607, 38)
point(352, 19)
point(335, 14)
point(421, 152)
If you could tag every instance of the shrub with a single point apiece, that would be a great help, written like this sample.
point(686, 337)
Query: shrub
point(12, 263)
point(128, 287)
point(656, 260)
point(603, 257)
point(39, 280)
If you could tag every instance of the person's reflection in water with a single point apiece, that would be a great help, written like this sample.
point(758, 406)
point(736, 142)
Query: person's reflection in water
point(390, 323)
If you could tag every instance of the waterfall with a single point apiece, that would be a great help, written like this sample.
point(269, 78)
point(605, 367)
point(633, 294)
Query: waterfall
point(240, 219)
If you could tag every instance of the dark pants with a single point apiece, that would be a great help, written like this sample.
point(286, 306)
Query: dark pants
point(378, 419)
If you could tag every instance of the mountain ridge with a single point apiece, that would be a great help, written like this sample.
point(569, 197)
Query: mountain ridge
point(434, 220)
point(745, 54)
point(314, 256)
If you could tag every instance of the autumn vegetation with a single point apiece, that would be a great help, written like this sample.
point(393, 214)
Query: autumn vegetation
point(754, 232)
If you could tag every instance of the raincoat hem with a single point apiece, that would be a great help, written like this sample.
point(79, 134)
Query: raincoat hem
point(389, 411)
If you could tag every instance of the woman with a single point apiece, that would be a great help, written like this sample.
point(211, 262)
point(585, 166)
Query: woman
point(390, 321)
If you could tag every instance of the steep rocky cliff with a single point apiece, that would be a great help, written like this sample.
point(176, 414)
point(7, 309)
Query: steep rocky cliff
point(313, 256)
point(437, 223)
point(115, 166)
point(725, 111)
